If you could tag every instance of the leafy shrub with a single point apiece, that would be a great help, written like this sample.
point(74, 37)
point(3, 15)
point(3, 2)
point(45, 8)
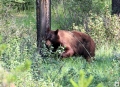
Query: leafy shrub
point(102, 28)
point(18, 4)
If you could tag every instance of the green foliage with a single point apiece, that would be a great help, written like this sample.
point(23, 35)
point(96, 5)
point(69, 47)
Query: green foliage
point(100, 85)
point(19, 1)
point(24, 67)
point(103, 27)
point(2, 46)
point(19, 71)
point(48, 53)
point(84, 82)
point(17, 4)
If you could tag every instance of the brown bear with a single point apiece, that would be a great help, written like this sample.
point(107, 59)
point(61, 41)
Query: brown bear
point(75, 43)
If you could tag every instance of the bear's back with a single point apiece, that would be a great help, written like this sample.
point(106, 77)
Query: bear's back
point(66, 38)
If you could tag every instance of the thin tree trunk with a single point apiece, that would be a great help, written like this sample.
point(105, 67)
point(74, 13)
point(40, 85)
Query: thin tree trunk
point(43, 16)
point(116, 7)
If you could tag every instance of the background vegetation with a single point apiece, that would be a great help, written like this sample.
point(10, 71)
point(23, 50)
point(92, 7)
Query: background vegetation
point(21, 65)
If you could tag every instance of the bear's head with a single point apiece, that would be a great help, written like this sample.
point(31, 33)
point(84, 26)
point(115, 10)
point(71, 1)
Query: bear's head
point(52, 37)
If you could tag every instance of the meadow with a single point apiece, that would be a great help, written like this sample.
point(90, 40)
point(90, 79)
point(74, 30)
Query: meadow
point(21, 65)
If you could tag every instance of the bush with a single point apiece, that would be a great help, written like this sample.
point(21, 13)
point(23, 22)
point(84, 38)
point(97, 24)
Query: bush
point(19, 5)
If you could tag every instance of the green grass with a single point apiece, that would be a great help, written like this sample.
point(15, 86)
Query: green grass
point(19, 34)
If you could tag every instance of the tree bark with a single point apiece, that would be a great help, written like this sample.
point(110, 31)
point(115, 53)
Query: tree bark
point(43, 16)
point(116, 7)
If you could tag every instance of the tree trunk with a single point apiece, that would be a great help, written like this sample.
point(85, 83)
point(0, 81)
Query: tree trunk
point(116, 7)
point(43, 16)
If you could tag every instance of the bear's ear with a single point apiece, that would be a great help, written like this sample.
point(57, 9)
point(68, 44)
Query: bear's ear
point(56, 32)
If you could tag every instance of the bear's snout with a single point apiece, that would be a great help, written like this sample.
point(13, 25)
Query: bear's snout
point(48, 43)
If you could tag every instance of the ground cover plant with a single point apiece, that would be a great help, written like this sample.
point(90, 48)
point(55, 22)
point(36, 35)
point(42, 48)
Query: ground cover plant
point(21, 65)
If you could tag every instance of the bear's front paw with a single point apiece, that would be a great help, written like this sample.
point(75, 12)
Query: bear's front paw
point(64, 55)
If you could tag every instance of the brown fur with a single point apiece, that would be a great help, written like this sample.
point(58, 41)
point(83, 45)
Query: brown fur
point(75, 43)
